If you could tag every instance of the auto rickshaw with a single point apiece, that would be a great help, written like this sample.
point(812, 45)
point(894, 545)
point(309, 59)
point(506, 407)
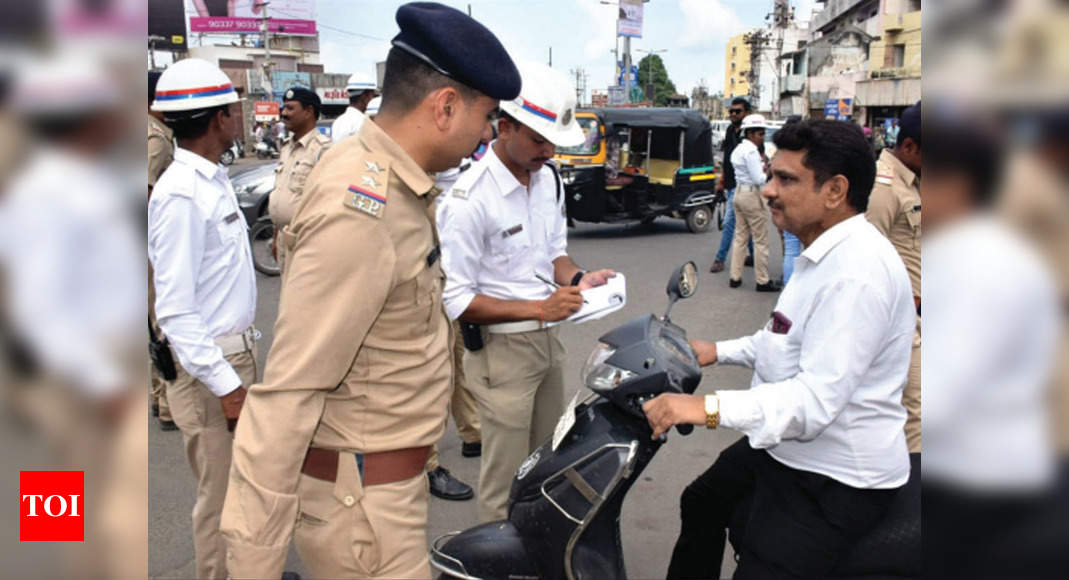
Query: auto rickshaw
point(640, 164)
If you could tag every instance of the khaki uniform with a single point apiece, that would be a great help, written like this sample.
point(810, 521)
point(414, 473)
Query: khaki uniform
point(199, 416)
point(359, 372)
point(895, 210)
point(518, 380)
point(462, 405)
point(751, 219)
point(160, 155)
point(296, 160)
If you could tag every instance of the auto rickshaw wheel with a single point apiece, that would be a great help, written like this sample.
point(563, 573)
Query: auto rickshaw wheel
point(700, 219)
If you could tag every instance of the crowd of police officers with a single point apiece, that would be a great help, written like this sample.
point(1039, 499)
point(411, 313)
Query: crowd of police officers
point(333, 443)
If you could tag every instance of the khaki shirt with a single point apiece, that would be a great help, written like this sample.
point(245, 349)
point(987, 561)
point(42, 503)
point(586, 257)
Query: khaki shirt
point(895, 210)
point(361, 357)
point(296, 161)
point(160, 149)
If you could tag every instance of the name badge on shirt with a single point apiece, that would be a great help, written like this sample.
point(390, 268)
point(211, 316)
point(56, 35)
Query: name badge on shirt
point(512, 231)
point(231, 218)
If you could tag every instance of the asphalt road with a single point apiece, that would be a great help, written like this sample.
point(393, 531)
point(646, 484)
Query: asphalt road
point(650, 519)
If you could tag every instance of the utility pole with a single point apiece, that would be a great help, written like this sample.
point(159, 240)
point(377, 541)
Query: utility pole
point(265, 35)
point(551, 57)
point(580, 84)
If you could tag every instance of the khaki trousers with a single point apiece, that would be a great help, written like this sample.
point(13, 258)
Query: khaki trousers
point(198, 414)
point(751, 219)
point(346, 530)
point(462, 404)
point(518, 382)
point(911, 395)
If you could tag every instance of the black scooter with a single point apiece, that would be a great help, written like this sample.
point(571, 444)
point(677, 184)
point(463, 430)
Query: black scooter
point(565, 502)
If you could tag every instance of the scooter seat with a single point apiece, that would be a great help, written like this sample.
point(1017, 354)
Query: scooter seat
point(488, 551)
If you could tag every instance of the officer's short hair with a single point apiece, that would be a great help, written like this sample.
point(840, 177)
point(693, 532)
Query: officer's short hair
point(833, 148)
point(408, 81)
point(741, 101)
point(970, 148)
point(194, 125)
point(909, 126)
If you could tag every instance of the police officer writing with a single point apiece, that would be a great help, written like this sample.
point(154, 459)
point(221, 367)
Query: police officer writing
point(895, 210)
point(824, 447)
point(751, 214)
point(332, 446)
point(205, 286)
point(300, 110)
point(504, 248)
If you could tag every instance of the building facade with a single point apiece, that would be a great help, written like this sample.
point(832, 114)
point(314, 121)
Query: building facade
point(737, 68)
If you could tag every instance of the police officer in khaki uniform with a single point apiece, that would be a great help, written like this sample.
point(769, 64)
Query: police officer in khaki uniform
point(332, 445)
point(160, 155)
point(895, 210)
point(300, 110)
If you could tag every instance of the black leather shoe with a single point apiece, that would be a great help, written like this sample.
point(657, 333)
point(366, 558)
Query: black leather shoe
point(155, 410)
point(748, 262)
point(734, 283)
point(291, 576)
point(166, 425)
point(471, 449)
point(445, 486)
point(770, 286)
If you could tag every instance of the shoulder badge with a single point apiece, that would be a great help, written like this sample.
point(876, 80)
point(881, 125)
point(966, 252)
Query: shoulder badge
point(884, 179)
point(460, 193)
point(365, 200)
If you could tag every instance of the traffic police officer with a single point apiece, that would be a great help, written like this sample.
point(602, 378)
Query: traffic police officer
point(332, 445)
point(751, 211)
point(895, 210)
point(205, 287)
point(300, 110)
point(504, 232)
point(160, 155)
point(361, 91)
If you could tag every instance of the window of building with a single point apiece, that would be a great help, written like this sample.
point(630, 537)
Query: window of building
point(899, 55)
point(733, 50)
point(913, 6)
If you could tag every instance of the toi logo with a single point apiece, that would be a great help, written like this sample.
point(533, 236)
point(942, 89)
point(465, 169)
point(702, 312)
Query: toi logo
point(50, 506)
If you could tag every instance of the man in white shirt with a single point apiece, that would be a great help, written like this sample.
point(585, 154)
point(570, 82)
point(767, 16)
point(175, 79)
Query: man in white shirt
point(205, 287)
point(823, 418)
point(504, 253)
point(361, 91)
point(751, 213)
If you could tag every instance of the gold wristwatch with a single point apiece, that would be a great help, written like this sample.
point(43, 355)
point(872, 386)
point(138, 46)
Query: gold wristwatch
point(712, 411)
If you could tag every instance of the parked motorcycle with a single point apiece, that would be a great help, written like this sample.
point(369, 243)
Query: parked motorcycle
point(262, 239)
point(565, 502)
point(266, 150)
point(236, 151)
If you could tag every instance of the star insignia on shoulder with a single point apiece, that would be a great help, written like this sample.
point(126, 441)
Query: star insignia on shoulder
point(373, 167)
point(369, 181)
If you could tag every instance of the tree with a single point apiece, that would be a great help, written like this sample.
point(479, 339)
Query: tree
point(663, 87)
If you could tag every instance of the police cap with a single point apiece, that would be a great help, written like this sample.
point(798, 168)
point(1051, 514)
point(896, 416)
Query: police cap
point(303, 96)
point(457, 46)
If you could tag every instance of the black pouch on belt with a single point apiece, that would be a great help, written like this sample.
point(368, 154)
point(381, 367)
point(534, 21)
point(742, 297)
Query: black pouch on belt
point(160, 353)
point(473, 336)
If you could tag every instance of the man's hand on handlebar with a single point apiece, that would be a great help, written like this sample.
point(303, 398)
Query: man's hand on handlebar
point(670, 409)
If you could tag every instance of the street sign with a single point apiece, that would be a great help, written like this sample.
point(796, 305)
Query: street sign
point(265, 110)
point(838, 109)
point(629, 21)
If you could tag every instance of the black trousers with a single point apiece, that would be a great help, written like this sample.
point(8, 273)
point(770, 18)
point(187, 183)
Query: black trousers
point(785, 523)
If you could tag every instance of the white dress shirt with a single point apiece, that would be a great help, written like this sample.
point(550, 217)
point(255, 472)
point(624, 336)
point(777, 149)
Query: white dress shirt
point(749, 168)
point(497, 234)
point(205, 283)
point(990, 336)
point(347, 124)
point(74, 279)
point(826, 397)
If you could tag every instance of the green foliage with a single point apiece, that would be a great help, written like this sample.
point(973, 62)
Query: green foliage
point(663, 87)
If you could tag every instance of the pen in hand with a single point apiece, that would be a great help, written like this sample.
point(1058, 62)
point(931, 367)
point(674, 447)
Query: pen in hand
point(542, 278)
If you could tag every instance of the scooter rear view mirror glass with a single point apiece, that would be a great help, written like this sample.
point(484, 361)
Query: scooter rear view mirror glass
point(684, 281)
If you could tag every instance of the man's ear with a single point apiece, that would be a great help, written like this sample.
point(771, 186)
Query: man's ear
point(446, 106)
point(836, 189)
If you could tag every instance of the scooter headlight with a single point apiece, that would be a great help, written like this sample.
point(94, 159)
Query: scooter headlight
point(599, 375)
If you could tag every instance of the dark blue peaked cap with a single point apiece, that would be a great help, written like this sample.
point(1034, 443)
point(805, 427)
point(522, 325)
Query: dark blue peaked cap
point(457, 46)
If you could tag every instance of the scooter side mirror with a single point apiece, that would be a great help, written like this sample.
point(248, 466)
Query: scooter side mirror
point(682, 284)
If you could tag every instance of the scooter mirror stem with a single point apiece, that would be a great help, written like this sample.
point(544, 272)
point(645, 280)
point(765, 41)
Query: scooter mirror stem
point(671, 303)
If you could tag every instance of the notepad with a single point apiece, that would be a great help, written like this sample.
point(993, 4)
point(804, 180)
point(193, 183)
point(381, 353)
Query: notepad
point(602, 300)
